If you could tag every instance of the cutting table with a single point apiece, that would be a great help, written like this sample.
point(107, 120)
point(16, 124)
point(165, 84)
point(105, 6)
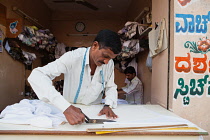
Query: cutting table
point(145, 122)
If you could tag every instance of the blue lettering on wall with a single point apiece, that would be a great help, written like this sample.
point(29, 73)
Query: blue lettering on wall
point(192, 24)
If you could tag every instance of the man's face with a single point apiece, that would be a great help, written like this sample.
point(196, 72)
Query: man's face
point(130, 76)
point(101, 56)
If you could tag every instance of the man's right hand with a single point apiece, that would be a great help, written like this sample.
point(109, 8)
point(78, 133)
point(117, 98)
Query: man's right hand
point(74, 115)
point(121, 94)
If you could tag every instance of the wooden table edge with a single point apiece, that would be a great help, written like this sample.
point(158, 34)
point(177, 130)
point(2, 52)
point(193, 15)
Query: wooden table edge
point(42, 132)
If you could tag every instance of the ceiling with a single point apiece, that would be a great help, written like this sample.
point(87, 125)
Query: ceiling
point(106, 8)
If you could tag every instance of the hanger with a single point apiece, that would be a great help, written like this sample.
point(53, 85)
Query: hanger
point(156, 25)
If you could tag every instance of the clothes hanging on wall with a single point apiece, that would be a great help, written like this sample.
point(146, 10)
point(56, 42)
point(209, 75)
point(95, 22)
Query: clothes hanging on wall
point(60, 49)
point(130, 49)
point(30, 57)
point(59, 86)
point(149, 62)
point(130, 30)
point(40, 39)
point(158, 41)
point(15, 51)
point(131, 44)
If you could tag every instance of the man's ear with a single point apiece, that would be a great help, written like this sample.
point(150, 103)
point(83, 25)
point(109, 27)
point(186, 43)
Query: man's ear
point(95, 45)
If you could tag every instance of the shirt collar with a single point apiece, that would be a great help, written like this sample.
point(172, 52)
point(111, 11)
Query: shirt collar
point(134, 79)
point(87, 56)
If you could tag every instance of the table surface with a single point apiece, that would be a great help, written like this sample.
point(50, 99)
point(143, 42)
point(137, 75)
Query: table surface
point(129, 116)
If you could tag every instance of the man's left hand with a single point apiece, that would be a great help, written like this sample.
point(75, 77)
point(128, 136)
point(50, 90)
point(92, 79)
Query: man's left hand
point(108, 112)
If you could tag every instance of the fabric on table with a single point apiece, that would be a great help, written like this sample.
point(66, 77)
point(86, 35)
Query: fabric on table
point(33, 112)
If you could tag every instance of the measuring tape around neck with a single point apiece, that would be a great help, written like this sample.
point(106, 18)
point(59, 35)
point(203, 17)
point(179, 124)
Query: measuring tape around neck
point(103, 84)
point(81, 77)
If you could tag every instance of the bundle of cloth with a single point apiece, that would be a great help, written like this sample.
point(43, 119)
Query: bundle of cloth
point(131, 44)
point(15, 51)
point(33, 112)
point(40, 39)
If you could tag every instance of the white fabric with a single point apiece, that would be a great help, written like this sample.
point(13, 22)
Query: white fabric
point(149, 62)
point(33, 112)
point(131, 26)
point(158, 41)
point(134, 90)
point(60, 50)
point(71, 65)
point(121, 101)
point(134, 64)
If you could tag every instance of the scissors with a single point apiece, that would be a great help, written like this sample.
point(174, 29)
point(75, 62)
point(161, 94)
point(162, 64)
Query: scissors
point(97, 121)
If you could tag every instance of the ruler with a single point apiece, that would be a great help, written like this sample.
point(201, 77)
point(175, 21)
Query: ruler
point(175, 128)
point(129, 128)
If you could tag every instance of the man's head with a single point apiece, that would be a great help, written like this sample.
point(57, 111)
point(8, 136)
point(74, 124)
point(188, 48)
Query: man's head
point(107, 45)
point(130, 73)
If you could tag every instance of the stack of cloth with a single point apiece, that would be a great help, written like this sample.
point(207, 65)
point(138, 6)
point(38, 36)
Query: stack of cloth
point(15, 51)
point(131, 44)
point(40, 39)
point(33, 112)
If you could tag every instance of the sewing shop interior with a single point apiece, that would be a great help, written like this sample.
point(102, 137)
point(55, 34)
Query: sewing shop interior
point(35, 33)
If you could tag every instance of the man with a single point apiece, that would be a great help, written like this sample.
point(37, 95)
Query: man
point(133, 91)
point(88, 72)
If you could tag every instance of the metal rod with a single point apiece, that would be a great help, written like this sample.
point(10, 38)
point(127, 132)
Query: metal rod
point(81, 34)
point(146, 9)
point(25, 16)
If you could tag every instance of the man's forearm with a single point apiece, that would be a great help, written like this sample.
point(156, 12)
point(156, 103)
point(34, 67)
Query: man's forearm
point(121, 92)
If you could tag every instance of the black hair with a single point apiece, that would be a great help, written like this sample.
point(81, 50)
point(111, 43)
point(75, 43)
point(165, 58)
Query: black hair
point(109, 39)
point(130, 70)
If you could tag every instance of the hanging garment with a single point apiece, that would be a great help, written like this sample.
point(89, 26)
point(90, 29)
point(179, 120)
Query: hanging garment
point(134, 64)
point(140, 29)
point(40, 39)
point(149, 62)
point(29, 57)
point(129, 62)
point(60, 50)
point(130, 49)
point(15, 51)
point(129, 31)
point(158, 41)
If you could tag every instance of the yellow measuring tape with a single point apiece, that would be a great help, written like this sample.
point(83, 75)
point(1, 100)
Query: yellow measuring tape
point(176, 128)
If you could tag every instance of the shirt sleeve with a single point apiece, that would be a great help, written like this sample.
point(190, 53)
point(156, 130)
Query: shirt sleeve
point(131, 88)
point(111, 89)
point(41, 81)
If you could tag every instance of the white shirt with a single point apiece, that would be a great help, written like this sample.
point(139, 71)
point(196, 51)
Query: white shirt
point(134, 90)
point(70, 64)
